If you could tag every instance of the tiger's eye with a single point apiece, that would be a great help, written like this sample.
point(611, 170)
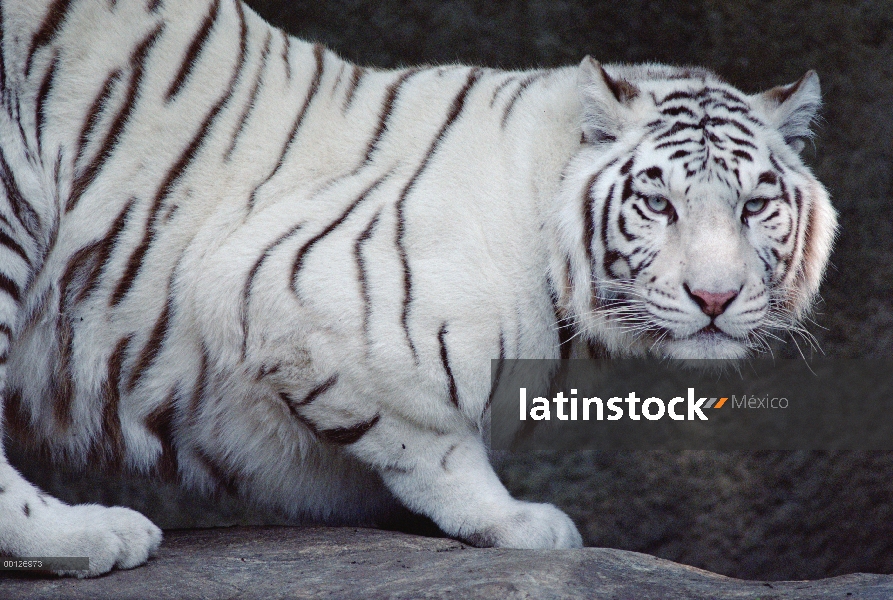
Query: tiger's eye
point(658, 204)
point(755, 206)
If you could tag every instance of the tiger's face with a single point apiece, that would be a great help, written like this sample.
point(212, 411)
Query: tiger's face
point(702, 231)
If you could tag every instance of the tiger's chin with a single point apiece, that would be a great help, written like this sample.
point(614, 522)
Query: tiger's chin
point(703, 345)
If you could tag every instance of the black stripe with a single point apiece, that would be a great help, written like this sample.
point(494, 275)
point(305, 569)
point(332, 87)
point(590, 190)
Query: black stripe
point(610, 255)
point(150, 351)
point(588, 224)
point(744, 111)
point(3, 95)
point(61, 378)
point(318, 51)
point(193, 51)
point(355, 76)
point(645, 263)
point(312, 395)
point(621, 225)
point(52, 22)
point(111, 397)
point(246, 290)
point(134, 264)
point(766, 264)
point(509, 80)
point(104, 251)
point(349, 435)
point(446, 456)
point(456, 108)
point(40, 102)
point(37, 310)
point(17, 419)
point(338, 80)
point(722, 121)
point(200, 387)
point(22, 211)
point(798, 201)
point(588, 206)
point(767, 177)
point(96, 109)
point(673, 143)
point(654, 173)
point(77, 271)
point(499, 367)
point(160, 423)
point(361, 272)
point(445, 361)
point(741, 142)
point(88, 175)
point(675, 111)
point(514, 99)
point(676, 128)
point(807, 238)
point(10, 243)
point(386, 108)
point(154, 5)
point(742, 155)
point(641, 214)
point(18, 119)
point(675, 96)
point(223, 480)
point(286, 52)
point(10, 287)
point(252, 98)
point(308, 245)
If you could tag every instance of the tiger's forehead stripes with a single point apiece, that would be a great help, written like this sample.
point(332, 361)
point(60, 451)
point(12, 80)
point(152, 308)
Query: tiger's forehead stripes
point(709, 130)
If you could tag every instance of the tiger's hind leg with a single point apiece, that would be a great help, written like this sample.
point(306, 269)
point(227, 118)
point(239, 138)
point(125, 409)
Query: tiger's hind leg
point(33, 524)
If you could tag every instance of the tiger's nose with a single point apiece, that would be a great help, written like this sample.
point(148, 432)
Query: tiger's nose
point(710, 303)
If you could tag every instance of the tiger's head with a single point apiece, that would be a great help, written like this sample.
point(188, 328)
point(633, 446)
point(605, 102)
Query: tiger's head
point(687, 226)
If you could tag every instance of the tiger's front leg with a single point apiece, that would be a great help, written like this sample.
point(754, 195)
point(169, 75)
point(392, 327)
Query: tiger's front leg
point(447, 477)
point(33, 524)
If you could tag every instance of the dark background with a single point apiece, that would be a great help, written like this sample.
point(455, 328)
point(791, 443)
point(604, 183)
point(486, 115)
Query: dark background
point(769, 515)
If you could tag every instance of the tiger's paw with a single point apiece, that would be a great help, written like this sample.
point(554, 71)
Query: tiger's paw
point(109, 536)
point(122, 538)
point(530, 525)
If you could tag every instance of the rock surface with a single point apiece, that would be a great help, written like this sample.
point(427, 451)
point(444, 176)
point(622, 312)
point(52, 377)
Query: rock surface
point(280, 562)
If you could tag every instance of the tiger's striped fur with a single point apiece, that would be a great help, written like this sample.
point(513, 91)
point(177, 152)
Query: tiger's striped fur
point(230, 257)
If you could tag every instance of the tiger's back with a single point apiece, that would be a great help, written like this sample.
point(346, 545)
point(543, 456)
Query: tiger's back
point(234, 259)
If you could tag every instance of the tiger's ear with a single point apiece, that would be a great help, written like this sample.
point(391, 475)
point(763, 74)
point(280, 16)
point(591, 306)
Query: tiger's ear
point(606, 102)
point(792, 109)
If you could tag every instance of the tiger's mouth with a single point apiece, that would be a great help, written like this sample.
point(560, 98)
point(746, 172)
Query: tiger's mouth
point(709, 342)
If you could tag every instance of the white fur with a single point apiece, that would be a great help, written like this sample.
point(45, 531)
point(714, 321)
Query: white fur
point(492, 219)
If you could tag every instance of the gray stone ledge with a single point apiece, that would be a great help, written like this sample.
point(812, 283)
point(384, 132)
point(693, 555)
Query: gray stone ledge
point(303, 562)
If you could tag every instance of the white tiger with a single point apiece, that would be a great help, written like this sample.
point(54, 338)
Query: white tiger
point(230, 257)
